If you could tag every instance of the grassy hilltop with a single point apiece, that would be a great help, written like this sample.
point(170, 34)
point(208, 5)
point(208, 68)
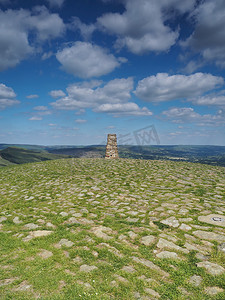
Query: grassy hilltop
point(112, 229)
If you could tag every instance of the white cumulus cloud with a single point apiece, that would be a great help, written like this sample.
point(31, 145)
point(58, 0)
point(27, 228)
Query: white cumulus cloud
point(163, 87)
point(129, 108)
point(41, 108)
point(86, 60)
point(113, 97)
point(7, 97)
point(57, 94)
point(86, 30)
point(16, 28)
point(33, 96)
point(211, 99)
point(143, 27)
point(189, 115)
point(209, 35)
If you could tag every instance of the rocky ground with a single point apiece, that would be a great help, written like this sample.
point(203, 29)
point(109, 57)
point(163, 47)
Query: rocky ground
point(112, 229)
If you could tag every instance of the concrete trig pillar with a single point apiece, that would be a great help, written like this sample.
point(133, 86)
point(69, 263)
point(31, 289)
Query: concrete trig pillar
point(111, 147)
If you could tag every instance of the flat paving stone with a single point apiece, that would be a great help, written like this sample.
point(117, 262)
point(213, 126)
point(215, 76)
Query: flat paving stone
point(101, 232)
point(65, 242)
point(215, 219)
point(152, 292)
point(2, 219)
point(45, 254)
point(16, 220)
point(221, 247)
point(185, 227)
point(128, 269)
point(162, 243)
point(207, 235)
point(195, 280)
point(87, 268)
point(167, 254)
point(150, 265)
point(213, 290)
point(172, 222)
point(31, 226)
point(38, 233)
point(148, 240)
point(211, 268)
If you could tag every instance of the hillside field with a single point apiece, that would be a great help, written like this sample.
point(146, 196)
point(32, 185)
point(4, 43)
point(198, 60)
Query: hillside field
point(112, 229)
point(18, 155)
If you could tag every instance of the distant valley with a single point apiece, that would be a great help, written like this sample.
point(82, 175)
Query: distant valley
point(19, 154)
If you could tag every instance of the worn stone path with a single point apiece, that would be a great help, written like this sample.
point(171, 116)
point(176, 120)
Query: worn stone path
point(122, 229)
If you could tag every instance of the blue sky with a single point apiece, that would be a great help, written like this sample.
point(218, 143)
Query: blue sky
point(73, 71)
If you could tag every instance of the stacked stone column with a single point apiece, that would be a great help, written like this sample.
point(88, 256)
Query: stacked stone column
point(111, 147)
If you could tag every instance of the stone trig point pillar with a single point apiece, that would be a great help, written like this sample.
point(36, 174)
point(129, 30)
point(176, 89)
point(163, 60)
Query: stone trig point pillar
point(111, 147)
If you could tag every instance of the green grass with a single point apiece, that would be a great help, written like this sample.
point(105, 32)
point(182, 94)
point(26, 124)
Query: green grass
point(105, 194)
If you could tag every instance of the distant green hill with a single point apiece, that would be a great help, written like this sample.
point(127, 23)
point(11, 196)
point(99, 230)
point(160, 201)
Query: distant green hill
point(23, 153)
point(16, 155)
point(24, 146)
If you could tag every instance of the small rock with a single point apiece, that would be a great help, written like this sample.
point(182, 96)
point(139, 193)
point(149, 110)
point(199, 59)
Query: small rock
point(213, 290)
point(38, 233)
point(45, 254)
point(200, 256)
point(2, 219)
point(132, 235)
point(162, 243)
point(62, 283)
point(128, 269)
point(31, 226)
point(137, 295)
point(95, 253)
point(211, 268)
point(132, 220)
point(190, 246)
point(206, 235)
point(49, 224)
point(16, 220)
point(77, 215)
point(195, 280)
point(221, 247)
point(185, 227)
point(121, 279)
point(150, 265)
point(87, 268)
point(113, 283)
point(78, 260)
point(65, 242)
point(23, 286)
point(133, 213)
point(7, 281)
point(172, 222)
point(99, 232)
point(218, 220)
point(167, 254)
point(72, 220)
point(64, 214)
point(152, 292)
point(41, 221)
point(148, 240)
